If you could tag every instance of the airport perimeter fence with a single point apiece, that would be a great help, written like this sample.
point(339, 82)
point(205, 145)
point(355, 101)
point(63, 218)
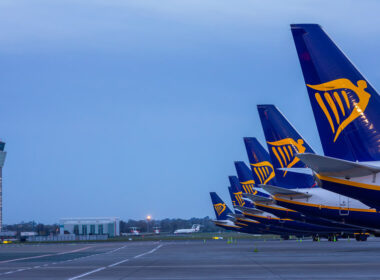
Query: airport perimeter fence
point(67, 237)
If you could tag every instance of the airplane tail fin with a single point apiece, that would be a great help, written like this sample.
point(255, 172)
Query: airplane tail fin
point(238, 191)
point(284, 142)
point(259, 160)
point(233, 199)
point(221, 209)
point(246, 180)
point(345, 106)
point(245, 177)
point(234, 202)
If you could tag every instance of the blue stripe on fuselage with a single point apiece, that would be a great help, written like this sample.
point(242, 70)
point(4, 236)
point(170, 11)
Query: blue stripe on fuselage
point(351, 217)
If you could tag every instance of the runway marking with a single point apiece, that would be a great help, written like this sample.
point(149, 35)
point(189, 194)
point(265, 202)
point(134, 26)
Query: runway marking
point(150, 252)
point(46, 255)
point(115, 264)
point(54, 263)
point(88, 273)
point(117, 249)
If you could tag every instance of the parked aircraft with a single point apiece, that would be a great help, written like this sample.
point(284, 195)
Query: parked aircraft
point(259, 157)
point(193, 229)
point(299, 191)
point(346, 109)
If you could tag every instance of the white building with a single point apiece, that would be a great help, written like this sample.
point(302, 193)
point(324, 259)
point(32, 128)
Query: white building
point(90, 226)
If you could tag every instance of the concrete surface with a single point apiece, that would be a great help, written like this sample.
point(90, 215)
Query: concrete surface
point(214, 259)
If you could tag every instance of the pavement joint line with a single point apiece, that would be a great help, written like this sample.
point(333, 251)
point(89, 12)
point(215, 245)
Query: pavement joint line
point(115, 264)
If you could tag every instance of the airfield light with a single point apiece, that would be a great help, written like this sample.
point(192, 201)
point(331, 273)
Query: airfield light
point(148, 218)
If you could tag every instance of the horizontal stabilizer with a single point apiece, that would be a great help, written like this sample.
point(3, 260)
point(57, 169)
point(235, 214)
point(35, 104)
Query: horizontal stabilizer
point(249, 210)
point(228, 224)
point(257, 198)
point(300, 170)
point(234, 216)
point(329, 166)
point(274, 190)
point(221, 221)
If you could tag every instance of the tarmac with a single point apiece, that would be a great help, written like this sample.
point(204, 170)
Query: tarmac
point(213, 259)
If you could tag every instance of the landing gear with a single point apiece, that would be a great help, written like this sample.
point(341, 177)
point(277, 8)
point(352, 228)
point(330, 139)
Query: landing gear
point(361, 237)
point(315, 238)
point(285, 237)
point(332, 238)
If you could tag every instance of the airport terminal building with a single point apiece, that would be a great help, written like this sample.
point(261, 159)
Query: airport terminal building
point(90, 226)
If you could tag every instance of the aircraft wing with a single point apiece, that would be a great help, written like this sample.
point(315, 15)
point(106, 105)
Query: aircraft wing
point(274, 190)
point(329, 166)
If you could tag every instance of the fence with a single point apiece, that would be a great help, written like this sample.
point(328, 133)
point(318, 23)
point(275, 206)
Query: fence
point(66, 237)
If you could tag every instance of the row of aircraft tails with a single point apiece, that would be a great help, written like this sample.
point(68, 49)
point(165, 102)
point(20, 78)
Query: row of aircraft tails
point(288, 189)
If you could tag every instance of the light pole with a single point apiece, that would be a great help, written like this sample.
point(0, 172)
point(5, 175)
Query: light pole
point(148, 218)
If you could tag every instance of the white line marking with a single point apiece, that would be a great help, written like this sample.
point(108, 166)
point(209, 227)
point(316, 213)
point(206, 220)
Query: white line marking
point(115, 264)
point(150, 252)
point(117, 249)
point(47, 255)
point(36, 267)
point(87, 273)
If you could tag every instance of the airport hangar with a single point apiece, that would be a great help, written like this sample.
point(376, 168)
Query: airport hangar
point(90, 226)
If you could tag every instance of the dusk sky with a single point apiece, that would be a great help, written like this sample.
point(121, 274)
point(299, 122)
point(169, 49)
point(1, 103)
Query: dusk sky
point(128, 108)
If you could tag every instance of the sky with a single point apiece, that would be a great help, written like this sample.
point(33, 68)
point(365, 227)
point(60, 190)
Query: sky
point(128, 108)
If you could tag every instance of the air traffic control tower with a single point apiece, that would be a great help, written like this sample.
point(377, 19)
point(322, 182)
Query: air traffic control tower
point(2, 160)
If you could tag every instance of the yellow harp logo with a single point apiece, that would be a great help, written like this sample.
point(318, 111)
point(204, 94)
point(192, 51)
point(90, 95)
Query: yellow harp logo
point(345, 100)
point(264, 171)
point(219, 208)
point(285, 150)
point(249, 187)
point(239, 198)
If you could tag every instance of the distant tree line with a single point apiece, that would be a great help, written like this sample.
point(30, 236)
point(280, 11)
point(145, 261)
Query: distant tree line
point(33, 226)
point(165, 225)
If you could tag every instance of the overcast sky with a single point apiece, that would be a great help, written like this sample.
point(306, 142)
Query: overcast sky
point(128, 108)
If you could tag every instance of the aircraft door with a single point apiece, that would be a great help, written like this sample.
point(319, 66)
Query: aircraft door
point(344, 205)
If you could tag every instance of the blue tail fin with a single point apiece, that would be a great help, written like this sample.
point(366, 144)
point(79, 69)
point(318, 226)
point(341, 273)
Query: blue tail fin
point(284, 142)
point(261, 166)
point(238, 192)
point(346, 107)
point(220, 208)
point(246, 181)
point(245, 177)
point(233, 199)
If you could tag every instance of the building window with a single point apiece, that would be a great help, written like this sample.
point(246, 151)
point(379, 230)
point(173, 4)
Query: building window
point(92, 229)
point(100, 229)
point(84, 229)
point(76, 229)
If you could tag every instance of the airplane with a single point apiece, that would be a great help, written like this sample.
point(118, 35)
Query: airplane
point(315, 230)
point(239, 219)
point(346, 110)
point(134, 231)
point(193, 229)
point(224, 216)
point(226, 219)
point(301, 191)
point(262, 172)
